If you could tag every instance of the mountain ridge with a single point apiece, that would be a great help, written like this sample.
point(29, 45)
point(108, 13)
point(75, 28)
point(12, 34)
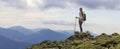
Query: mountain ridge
point(6, 43)
point(82, 41)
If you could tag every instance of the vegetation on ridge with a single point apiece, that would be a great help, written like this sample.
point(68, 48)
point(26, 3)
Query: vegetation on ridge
point(82, 41)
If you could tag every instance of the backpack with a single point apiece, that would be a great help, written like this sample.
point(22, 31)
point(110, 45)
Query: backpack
point(84, 17)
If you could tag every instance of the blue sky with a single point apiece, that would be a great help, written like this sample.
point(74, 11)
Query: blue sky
point(102, 15)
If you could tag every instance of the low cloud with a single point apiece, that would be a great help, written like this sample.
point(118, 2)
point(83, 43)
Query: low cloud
point(59, 22)
point(93, 4)
point(14, 3)
point(109, 4)
point(54, 3)
point(45, 4)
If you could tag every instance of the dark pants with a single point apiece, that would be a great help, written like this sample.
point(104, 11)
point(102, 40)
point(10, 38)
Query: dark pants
point(80, 24)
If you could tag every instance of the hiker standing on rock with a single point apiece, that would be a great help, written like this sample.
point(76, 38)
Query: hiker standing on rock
point(82, 18)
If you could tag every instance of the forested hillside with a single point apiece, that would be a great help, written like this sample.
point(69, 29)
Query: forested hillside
point(82, 41)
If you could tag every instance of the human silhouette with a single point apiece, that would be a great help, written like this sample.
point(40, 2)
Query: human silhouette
point(82, 18)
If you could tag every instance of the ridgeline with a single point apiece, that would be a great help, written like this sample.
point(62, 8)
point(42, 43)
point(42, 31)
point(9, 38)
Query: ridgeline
point(82, 41)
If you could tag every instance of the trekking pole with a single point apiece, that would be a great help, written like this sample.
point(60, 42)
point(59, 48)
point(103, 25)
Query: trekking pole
point(75, 24)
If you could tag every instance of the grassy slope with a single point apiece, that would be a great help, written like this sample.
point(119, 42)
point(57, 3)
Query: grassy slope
point(82, 41)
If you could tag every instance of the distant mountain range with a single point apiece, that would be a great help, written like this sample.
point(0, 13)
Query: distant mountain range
point(6, 43)
point(17, 34)
point(22, 30)
point(47, 34)
point(11, 34)
point(18, 37)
